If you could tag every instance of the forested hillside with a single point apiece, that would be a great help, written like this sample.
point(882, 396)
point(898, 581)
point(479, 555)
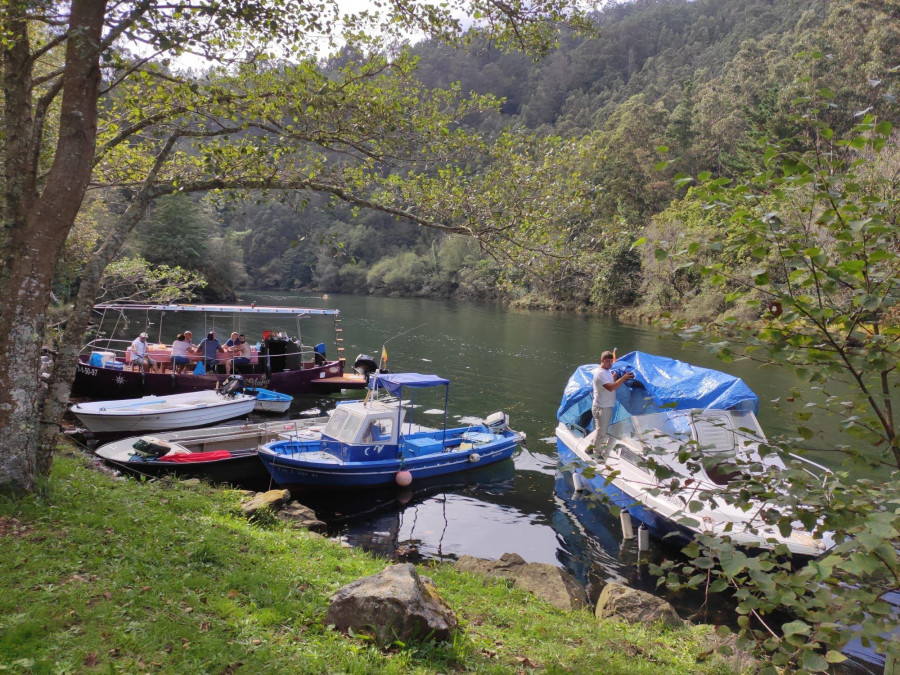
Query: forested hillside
point(666, 87)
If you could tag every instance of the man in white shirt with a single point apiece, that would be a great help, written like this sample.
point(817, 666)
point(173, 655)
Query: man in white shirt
point(605, 385)
point(139, 356)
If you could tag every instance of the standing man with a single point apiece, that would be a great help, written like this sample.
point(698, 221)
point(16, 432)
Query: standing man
point(605, 385)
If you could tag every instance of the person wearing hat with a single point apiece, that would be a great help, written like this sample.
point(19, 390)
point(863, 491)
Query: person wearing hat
point(138, 354)
point(605, 385)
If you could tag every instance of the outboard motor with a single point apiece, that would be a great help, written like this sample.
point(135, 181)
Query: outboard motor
point(366, 365)
point(232, 386)
point(497, 422)
point(150, 447)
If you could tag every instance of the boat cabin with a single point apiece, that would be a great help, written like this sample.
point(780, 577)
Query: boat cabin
point(365, 423)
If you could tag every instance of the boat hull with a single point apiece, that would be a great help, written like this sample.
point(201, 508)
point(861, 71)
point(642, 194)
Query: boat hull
point(110, 383)
point(242, 441)
point(137, 417)
point(295, 472)
point(659, 512)
point(660, 527)
point(237, 469)
point(272, 406)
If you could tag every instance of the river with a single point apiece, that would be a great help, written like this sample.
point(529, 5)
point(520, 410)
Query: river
point(517, 362)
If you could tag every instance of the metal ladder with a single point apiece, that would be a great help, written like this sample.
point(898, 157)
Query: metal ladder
point(338, 340)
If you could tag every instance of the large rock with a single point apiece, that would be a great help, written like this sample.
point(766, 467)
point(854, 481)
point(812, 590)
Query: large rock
point(554, 585)
point(302, 517)
point(273, 499)
point(396, 604)
point(618, 601)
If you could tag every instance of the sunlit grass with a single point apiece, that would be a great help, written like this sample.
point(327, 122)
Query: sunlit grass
point(112, 574)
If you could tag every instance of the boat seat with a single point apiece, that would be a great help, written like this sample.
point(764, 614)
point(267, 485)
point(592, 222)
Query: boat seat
point(715, 433)
point(477, 437)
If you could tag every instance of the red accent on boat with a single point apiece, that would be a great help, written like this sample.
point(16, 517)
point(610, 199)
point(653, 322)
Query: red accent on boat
point(210, 456)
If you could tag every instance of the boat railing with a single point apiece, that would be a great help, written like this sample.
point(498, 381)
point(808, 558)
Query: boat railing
point(118, 348)
point(824, 472)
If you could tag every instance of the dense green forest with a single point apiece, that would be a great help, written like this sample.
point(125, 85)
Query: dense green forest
point(666, 87)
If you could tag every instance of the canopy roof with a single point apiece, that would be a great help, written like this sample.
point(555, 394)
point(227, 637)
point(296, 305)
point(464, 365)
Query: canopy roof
point(660, 383)
point(222, 309)
point(394, 382)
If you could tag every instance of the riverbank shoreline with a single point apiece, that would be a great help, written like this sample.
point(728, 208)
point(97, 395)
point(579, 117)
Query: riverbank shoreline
point(167, 576)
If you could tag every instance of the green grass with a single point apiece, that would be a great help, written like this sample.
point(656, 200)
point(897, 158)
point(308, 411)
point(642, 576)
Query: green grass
point(109, 575)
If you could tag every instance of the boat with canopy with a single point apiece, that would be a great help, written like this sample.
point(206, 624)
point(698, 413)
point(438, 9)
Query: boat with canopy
point(371, 442)
point(279, 361)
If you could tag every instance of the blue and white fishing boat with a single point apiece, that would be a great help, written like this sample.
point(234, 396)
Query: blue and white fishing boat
point(370, 442)
point(667, 412)
point(268, 400)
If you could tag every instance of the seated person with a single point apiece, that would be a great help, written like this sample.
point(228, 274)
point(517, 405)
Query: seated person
point(209, 346)
point(180, 349)
point(138, 354)
point(241, 351)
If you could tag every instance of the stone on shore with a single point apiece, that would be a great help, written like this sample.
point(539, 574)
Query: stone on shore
point(620, 602)
point(301, 516)
point(396, 604)
point(554, 585)
point(273, 499)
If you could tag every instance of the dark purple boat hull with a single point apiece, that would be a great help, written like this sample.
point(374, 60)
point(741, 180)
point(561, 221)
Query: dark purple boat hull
point(109, 383)
point(242, 468)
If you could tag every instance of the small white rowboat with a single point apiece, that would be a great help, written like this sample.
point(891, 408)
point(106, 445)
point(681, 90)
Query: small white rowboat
point(160, 413)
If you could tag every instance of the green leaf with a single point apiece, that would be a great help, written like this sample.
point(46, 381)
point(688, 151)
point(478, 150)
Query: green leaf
point(833, 656)
point(814, 662)
point(795, 628)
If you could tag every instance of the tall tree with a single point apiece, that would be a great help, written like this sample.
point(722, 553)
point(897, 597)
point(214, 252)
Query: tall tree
point(50, 132)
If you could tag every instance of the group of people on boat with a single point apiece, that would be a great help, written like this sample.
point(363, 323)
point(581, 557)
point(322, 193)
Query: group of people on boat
point(237, 353)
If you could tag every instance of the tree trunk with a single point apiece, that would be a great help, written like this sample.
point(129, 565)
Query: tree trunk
point(60, 386)
point(35, 230)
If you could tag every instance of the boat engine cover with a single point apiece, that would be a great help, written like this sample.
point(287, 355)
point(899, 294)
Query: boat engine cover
point(233, 385)
point(497, 421)
point(151, 447)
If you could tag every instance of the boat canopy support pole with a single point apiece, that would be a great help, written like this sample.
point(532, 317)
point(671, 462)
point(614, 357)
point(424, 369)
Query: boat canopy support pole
point(446, 404)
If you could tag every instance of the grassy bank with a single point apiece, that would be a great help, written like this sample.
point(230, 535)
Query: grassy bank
point(110, 574)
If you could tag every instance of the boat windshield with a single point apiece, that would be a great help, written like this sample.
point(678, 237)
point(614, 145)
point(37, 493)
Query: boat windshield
point(356, 423)
point(674, 424)
point(340, 424)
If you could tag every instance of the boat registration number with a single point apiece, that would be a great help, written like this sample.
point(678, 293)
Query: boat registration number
point(88, 371)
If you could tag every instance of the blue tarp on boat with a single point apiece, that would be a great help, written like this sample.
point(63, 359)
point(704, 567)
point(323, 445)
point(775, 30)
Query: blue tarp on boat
point(660, 383)
point(393, 382)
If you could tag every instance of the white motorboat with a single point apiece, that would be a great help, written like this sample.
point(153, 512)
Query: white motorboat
point(161, 413)
point(667, 413)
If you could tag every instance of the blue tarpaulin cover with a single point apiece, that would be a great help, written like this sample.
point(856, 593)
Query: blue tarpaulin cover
point(659, 383)
point(393, 382)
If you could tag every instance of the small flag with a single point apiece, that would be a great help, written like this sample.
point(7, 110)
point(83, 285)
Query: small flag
point(383, 355)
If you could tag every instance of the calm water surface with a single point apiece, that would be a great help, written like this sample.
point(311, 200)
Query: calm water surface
point(518, 362)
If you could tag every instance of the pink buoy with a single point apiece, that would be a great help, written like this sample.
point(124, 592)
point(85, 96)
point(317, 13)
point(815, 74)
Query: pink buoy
point(403, 478)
